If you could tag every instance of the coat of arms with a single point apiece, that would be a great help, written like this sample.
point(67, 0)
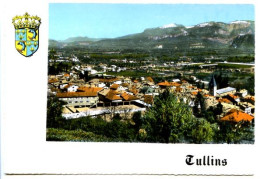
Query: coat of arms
point(26, 34)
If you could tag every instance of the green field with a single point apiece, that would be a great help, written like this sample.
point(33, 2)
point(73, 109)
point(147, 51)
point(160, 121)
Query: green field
point(226, 65)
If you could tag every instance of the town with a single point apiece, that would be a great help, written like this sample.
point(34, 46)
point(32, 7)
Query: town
point(105, 89)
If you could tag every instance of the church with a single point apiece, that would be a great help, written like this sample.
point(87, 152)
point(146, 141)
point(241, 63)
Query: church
point(219, 92)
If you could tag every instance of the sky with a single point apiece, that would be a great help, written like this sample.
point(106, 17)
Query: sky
point(115, 20)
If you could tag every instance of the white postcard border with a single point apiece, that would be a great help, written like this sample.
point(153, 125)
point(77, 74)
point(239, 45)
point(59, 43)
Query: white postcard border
point(23, 120)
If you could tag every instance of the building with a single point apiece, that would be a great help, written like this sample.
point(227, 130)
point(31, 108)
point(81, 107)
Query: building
point(225, 91)
point(242, 93)
point(237, 116)
point(247, 107)
point(113, 96)
point(210, 101)
point(250, 99)
point(233, 98)
point(128, 97)
point(213, 86)
point(87, 98)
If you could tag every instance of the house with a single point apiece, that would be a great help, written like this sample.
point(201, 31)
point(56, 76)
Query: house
point(126, 85)
point(134, 90)
point(237, 116)
point(242, 93)
point(210, 101)
point(224, 100)
point(168, 84)
point(128, 97)
point(87, 97)
point(247, 107)
point(191, 89)
point(66, 75)
point(176, 80)
point(250, 99)
point(233, 98)
point(121, 88)
point(146, 90)
point(194, 93)
point(149, 79)
point(114, 86)
point(71, 88)
point(225, 91)
point(101, 85)
point(113, 96)
point(127, 80)
point(108, 81)
point(64, 86)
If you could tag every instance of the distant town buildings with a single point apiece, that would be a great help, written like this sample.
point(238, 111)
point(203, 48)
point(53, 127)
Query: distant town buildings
point(97, 94)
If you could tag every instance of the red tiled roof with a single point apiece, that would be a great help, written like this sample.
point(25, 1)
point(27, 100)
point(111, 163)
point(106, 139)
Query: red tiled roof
point(233, 96)
point(113, 95)
point(134, 90)
point(53, 80)
point(87, 92)
point(175, 84)
point(114, 86)
point(224, 100)
point(193, 87)
point(208, 95)
point(194, 93)
point(87, 89)
point(250, 98)
point(149, 79)
point(128, 97)
point(66, 75)
point(166, 83)
point(237, 116)
point(178, 89)
point(108, 79)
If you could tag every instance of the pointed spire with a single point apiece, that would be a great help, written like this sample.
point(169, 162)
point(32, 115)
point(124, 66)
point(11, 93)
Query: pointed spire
point(212, 82)
point(212, 86)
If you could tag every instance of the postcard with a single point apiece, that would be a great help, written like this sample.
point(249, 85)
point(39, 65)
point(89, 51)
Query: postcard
point(131, 89)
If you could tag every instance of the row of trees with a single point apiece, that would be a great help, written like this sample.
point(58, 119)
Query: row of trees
point(242, 59)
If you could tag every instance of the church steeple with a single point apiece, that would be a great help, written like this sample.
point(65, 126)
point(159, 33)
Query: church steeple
point(212, 86)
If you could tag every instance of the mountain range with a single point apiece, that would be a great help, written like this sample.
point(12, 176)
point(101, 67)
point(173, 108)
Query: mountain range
point(210, 35)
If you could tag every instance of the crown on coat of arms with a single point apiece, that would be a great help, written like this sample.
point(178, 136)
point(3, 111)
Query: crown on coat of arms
point(26, 21)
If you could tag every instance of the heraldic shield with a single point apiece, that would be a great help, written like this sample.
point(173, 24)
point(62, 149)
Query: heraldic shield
point(26, 34)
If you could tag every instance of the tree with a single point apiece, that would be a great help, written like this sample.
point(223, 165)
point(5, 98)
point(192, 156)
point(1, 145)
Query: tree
point(203, 86)
point(137, 118)
point(54, 111)
point(167, 120)
point(232, 132)
point(52, 55)
point(219, 109)
point(202, 131)
point(199, 108)
point(221, 80)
